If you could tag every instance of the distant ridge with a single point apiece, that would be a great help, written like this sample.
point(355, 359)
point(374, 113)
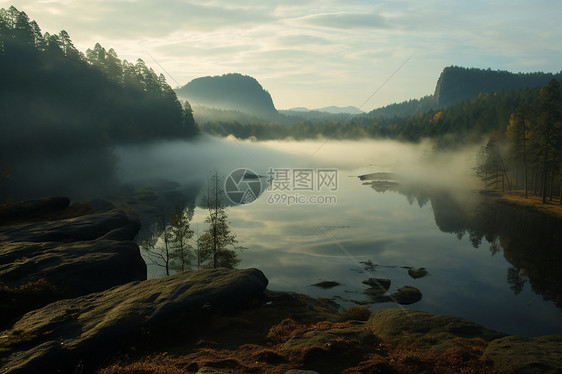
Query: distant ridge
point(456, 84)
point(330, 109)
point(233, 91)
point(341, 109)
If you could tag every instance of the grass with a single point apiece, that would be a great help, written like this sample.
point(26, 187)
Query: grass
point(552, 208)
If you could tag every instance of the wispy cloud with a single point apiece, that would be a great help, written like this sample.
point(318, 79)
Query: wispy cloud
point(316, 52)
point(346, 21)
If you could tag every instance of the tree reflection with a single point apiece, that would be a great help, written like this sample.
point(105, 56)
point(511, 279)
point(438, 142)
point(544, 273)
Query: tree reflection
point(516, 280)
point(529, 239)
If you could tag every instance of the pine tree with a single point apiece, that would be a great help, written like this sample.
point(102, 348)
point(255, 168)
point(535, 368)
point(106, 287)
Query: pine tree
point(214, 242)
point(180, 234)
point(548, 132)
point(518, 132)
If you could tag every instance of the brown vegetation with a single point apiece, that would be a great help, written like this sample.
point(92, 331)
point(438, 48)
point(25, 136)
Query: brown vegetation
point(271, 354)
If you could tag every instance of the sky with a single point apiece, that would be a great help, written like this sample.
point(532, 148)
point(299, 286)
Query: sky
point(315, 53)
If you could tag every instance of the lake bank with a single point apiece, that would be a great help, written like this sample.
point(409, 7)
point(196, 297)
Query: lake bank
point(552, 208)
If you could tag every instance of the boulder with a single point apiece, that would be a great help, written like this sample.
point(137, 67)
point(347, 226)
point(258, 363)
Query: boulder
point(378, 283)
point(514, 354)
point(75, 268)
point(90, 328)
point(79, 255)
point(432, 331)
point(406, 295)
point(417, 273)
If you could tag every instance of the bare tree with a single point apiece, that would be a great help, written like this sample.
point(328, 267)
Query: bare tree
point(156, 244)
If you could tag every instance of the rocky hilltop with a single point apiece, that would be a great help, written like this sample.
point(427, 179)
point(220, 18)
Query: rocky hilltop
point(93, 310)
point(229, 92)
point(456, 84)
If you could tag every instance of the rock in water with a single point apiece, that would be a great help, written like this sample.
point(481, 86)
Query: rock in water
point(90, 328)
point(378, 283)
point(417, 273)
point(407, 295)
point(326, 284)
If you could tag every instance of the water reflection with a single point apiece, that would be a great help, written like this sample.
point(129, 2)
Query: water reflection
point(529, 240)
point(494, 264)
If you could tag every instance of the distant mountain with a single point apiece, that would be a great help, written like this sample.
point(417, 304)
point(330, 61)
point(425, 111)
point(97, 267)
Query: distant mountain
point(228, 92)
point(329, 109)
point(339, 110)
point(457, 84)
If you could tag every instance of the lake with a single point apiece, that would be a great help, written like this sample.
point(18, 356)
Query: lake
point(496, 265)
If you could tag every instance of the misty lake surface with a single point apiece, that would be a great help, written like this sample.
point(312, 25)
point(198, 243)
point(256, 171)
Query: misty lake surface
point(481, 264)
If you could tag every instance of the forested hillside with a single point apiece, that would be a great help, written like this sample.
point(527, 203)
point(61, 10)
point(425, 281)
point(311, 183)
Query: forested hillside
point(55, 100)
point(457, 83)
point(467, 122)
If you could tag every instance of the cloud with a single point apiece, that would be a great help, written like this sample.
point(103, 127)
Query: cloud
point(346, 21)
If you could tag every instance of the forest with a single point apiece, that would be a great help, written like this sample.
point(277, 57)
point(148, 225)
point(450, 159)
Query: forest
point(57, 103)
point(527, 154)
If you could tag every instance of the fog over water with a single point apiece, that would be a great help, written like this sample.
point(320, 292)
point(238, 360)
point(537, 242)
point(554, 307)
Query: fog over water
point(191, 161)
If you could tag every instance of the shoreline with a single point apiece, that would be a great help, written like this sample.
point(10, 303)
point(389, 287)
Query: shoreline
point(533, 202)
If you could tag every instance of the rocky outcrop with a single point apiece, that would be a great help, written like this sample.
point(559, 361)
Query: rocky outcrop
point(431, 331)
point(22, 211)
point(514, 354)
point(78, 255)
point(114, 225)
point(89, 328)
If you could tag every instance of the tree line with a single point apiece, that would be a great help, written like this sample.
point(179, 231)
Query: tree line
point(175, 246)
point(56, 101)
point(527, 154)
point(470, 121)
